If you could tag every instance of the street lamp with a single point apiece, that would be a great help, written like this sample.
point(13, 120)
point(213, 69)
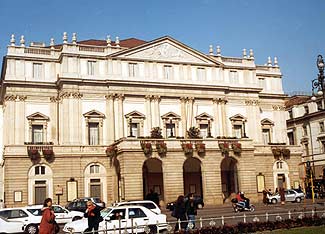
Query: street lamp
point(171, 127)
point(318, 85)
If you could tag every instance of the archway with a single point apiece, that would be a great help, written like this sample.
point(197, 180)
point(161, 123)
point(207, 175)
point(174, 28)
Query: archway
point(153, 177)
point(95, 181)
point(229, 176)
point(281, 175)
point(192, 176)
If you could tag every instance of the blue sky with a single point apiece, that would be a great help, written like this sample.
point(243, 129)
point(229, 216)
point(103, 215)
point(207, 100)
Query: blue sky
point(293, 31)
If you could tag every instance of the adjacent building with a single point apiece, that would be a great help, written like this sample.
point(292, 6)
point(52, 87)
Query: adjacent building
point(305, 122)
point(83, 118)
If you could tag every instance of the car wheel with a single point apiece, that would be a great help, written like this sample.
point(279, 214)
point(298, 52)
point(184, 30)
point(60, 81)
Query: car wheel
point(274, 201)
point(76, 218)
point(199, 206)
point(31, 229)
point(298, 199)
point(252, 208)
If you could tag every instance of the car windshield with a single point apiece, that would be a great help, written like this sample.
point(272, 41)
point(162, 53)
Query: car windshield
point(35, 211)
point(104, 212)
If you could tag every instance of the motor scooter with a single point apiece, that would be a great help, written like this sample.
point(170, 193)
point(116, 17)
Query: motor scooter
point(240, 206)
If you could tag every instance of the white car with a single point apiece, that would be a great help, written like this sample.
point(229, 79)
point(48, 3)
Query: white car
point(291, 195)
point(30, 218)
point(146, 203)
point(7, 226)
point(133, 218)
point(62, 215)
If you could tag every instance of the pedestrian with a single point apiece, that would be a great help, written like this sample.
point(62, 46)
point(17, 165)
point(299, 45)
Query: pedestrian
point(180, 213)
point(282, 195)
point(265, 195)
point(191, 210)
point(2, 204)
point(153, 196)
point(93, 214)
point(48, 224)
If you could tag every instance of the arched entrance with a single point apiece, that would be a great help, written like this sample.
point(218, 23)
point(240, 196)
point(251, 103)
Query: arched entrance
point(281, 175)
point(153, 177)
point(192, 176)
point(229, 176)
point(95, 181)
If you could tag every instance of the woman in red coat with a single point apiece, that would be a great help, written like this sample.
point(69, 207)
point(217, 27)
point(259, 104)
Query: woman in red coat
point(47, 225)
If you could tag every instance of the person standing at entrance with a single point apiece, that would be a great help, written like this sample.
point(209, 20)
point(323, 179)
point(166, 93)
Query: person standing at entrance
point(93, 215)
point(191, 210)
point(282, 195)
point(47, 225)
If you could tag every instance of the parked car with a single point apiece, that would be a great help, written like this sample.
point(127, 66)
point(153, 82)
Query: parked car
point(7, 226)
point(198, 201)
point(291, 195)
point(146, 203)
point(121, 218)
point(29, 217)
point(62, 215)
point(80, 204)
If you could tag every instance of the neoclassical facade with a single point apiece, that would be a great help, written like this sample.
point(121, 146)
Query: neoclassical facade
point(78, 119)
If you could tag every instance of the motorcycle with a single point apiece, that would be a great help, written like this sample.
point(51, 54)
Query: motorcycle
point(240, 206)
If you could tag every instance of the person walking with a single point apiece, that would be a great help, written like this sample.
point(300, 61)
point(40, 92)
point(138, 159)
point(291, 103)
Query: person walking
point(180, 213)
point(282, 195)
point(92, 213)
point(265, 196)
point(48, 224)
point(191, 210)
point(2, 204)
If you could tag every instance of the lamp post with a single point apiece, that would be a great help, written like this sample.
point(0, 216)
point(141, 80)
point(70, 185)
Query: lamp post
point(318, 84)
point(209, 128)
point(171, 127)
point(130, 124)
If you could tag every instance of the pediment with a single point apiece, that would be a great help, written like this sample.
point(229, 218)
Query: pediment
point(94, 114)
point(135, 115)
point(166, 49)
point(170, 115)
point(237, 117)
point(38, 116)
point(203, 116)
point(267, 122)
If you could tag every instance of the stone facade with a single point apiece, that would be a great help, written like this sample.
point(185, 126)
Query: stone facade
point(78, 118)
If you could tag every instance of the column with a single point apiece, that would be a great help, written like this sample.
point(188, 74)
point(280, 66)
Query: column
point(190, 111)
point(224, 117)
point(183, 116)
point(148, 123)
point(153, 112)
point(64, 118)
point(110, 120)
point(157, 110)
point(20, 119)
point(54, 102)
point(120, 132)
point(75, 124)
point(9, 111)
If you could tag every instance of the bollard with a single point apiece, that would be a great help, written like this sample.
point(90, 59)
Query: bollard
point(312, 213)
point(136, 228)
point(114, 229)
point(157, 227)
point(179, 224)
point(244, 218)
point(266, 217)
point(222, 220)
point(289, 214)
point(201, 224)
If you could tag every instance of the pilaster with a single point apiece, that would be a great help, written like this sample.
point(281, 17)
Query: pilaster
point(54, 104)
point(148, 123)
point(183, 116)
point(110, 119)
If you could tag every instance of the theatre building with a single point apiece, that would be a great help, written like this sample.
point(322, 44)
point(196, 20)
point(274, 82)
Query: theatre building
point(114, 119)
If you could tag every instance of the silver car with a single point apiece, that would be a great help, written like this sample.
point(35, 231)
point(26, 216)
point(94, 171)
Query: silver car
point(291, 195)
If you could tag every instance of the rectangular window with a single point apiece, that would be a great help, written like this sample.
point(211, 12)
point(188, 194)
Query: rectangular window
point(306, 110)
point(306, 148)
point(93, 133)
point(170, 130)
point(238, 131)
point(204, 130)
point(319, 105)
point(321, 126)
point(135, 129)
point(37, 70)
point(40, 170)
point(233, 77)
point(290, 114)
point(132, 69)
point(261, 82)
point(266, 136)
point(291, 138)
point(323, 146)
point(168, 72)
point(37, 134)
point(94, 169)
point(91, 67)
point(201, 74)
point(304, 130)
